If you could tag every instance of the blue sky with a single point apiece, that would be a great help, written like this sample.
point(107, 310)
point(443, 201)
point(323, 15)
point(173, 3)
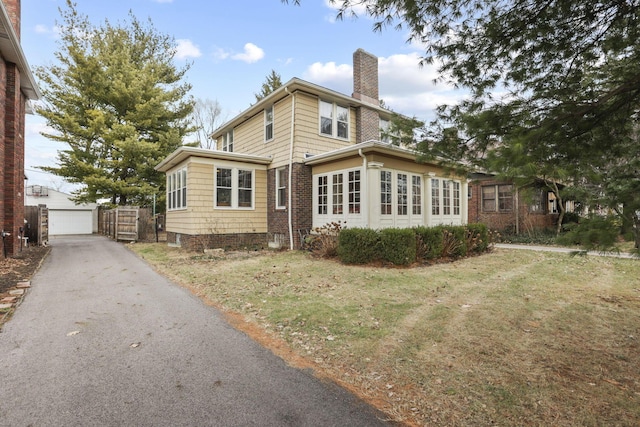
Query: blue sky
point(233, 45)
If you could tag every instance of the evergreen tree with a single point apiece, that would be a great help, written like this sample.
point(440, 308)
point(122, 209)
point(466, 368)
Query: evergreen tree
point(116, 99)
point(271, 83)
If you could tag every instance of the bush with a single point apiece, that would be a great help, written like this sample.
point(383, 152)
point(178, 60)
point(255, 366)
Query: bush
point(324, 240)
point(454, 241)
point(477, 238)
point(595, 233)
point(398, 246)
point(358, 245)
point(428, 242)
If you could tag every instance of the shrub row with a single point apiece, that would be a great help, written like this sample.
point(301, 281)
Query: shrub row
point(408, 245)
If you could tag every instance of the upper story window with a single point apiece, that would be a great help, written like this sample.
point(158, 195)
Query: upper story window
point(268, 123)
point(334, 120)
point(384, 131)
point(234, 188)
point(227, 141)
point(177, 189)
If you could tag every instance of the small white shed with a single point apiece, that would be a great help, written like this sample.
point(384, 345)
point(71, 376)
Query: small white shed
point(65, 217)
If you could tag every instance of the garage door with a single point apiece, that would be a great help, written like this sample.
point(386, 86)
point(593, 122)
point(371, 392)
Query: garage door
point(70, 222)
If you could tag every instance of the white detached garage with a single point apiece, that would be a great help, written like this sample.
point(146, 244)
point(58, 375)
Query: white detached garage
point(65, 217)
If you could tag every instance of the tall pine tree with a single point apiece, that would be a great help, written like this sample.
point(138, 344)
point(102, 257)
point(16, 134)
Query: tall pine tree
point(117, 100)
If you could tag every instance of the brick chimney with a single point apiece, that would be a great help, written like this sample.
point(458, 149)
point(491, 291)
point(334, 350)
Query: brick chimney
point(365, 89)
point(13, 9)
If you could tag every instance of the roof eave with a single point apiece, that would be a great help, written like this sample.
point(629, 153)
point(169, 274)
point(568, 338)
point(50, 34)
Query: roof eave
point(183, 153)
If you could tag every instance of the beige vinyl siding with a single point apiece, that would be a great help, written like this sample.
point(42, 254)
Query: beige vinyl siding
point(200, 217)
point(249, 136)
point(350, 163)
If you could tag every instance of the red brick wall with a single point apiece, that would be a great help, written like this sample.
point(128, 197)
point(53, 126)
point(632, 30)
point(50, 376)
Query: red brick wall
point(506, 221)
point(13, 9)
point(248, 241)
point(278, 219)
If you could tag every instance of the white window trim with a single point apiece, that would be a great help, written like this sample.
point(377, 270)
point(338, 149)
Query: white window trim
point(174, 178)
point(450, 184)
point(329, 216)
point(395, 196)
point(267, 123)
point(234, 189)
point(227, 140)
point(334, 120)
point(281, 204)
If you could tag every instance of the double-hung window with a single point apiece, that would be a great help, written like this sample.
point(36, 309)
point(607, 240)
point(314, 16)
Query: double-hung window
point(227, 141)
point(234, 188)
point(268, 123)
point(334, 120)
point(497, 198)
point(281, 188)
point(177, 189)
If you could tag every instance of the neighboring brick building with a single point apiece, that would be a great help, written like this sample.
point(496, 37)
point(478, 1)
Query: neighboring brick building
point(504, 207)
point(17, 86)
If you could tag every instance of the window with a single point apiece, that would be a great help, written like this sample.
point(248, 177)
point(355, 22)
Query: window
point(323, 194)
point(334, 120)
point(354, 192)
point(281, 188)
point(505, 198)
point(384, 131)
point(245, 189)
point(489, 198)
point(268, 123)
point(435, 196)
point(337, 194)
point(224, 187)
point(446, 198)
point(497, 198)
point(177, 189)
point(456, 197)
point(234, 188)
point(227, 141)
point(385, 193)
point(416, 192)
point(402, 194)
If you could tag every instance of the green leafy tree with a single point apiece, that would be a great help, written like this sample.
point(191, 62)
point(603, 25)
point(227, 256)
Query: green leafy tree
point(116, 99)
point(272, 82)
point(554, 86)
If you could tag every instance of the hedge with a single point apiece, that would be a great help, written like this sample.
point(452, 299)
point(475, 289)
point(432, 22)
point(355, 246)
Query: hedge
point(406, 246)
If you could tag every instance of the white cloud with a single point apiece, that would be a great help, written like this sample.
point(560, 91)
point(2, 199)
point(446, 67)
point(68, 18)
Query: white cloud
point(331, 75)
point(404, 85)
point(251, 54)
point(41, 29)
point(359, 9)
point(186, 49)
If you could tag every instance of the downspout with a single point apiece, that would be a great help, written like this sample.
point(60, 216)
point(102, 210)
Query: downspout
point(363, 188)
point(290, 196)
point(517, 211)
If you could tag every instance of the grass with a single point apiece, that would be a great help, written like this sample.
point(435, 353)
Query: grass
point(507, 338)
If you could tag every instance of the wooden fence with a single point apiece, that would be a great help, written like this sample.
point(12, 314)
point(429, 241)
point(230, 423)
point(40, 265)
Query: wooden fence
point(37, 226)
point(128, 223)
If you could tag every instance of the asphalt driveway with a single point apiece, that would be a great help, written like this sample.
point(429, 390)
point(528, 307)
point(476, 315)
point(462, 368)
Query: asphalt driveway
point(103, 340)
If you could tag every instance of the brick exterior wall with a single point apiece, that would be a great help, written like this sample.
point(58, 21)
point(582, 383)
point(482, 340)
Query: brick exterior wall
point(248, 241)
point(506, 221)
point(12, 123)
point(13, 10)
point(302, 215)
point(365, 88)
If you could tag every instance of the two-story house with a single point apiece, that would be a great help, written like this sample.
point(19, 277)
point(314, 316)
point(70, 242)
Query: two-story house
point(303, 157)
